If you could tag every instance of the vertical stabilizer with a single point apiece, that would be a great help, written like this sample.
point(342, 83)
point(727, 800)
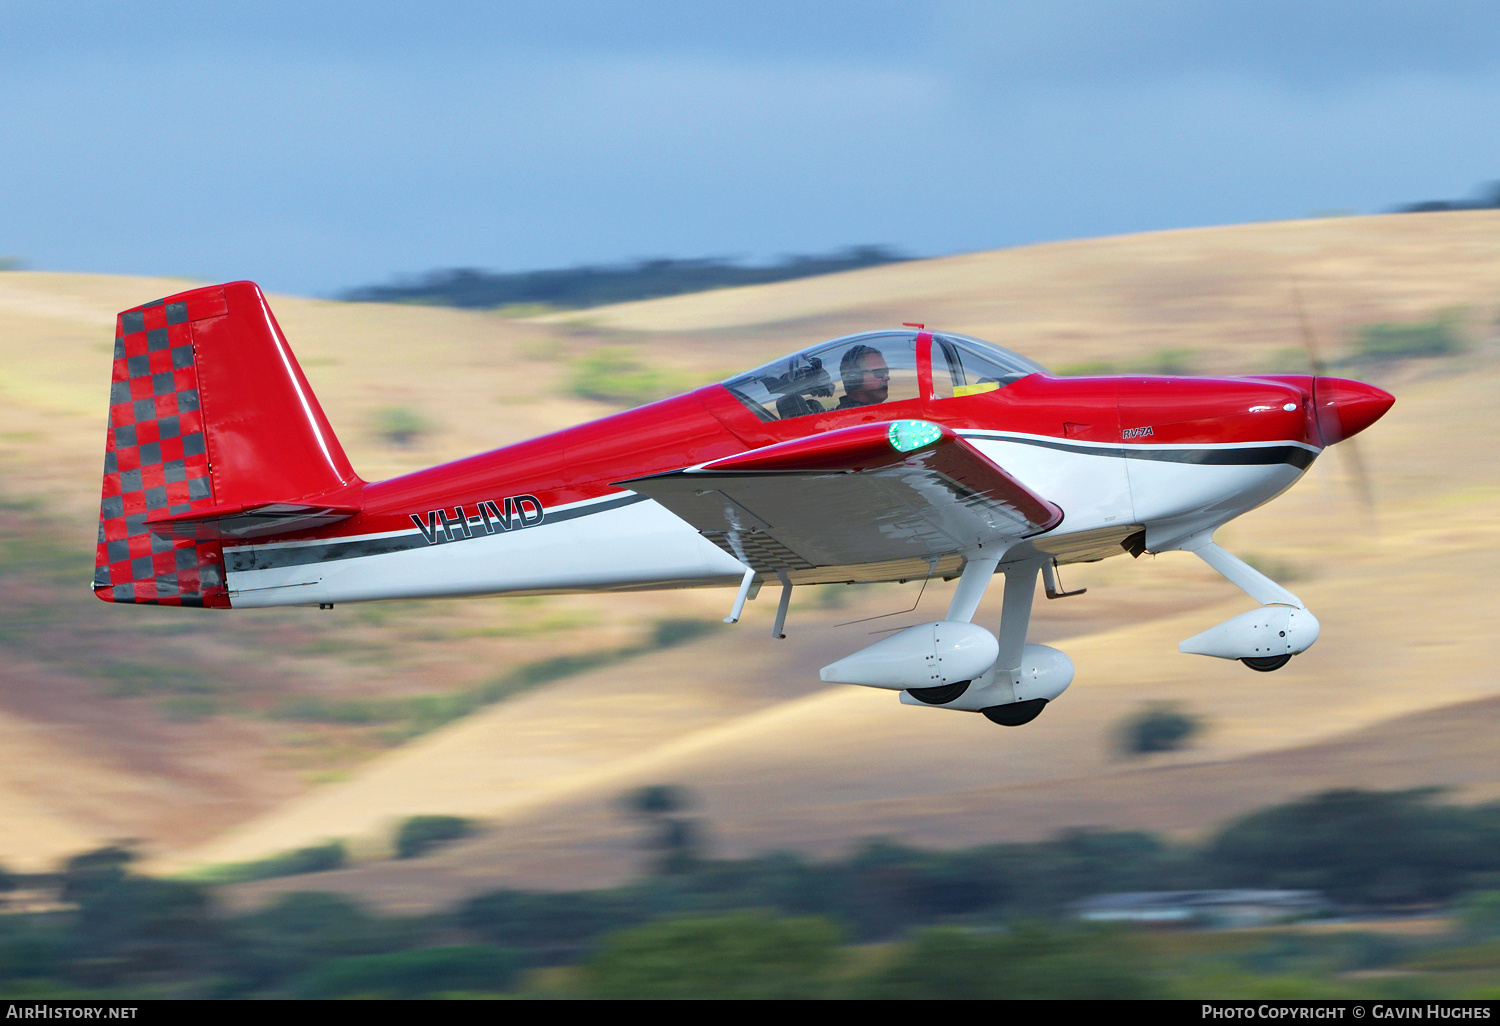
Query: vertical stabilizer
point(208, 411)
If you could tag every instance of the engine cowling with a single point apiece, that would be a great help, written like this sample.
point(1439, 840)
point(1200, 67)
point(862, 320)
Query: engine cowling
point(927, 655)
point(1273, 630)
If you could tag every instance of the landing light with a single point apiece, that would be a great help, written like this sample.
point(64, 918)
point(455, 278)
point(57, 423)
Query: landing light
point(906, 435)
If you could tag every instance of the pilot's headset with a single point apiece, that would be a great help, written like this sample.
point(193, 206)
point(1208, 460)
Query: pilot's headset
point(850, 370)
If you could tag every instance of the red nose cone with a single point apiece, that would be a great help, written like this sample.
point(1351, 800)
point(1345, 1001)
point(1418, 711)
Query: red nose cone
point(1345, 408)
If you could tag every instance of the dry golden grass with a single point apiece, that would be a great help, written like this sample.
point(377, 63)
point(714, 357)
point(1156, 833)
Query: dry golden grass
point(1398, 692)
point(1226, 293)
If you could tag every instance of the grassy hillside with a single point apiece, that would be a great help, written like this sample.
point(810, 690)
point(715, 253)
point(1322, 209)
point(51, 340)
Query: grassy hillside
point(227, 737)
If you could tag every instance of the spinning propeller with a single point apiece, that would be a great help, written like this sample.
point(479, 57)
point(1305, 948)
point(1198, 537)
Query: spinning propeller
point(1343, 408)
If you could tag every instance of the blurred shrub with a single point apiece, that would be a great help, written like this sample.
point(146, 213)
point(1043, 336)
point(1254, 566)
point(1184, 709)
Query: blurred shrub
point(552, 923)
point(1288, 361)
point(676, 839)
point(317, 858)
point(1163, 361)
point(1485, 955)
point(306, 928)
point(657, 800)
point(1276, 568)
point(614, 375)
point(667, 633)
point(132, 679)
point(188, 708)
point(420, 834)
point(1029, 962)
point(831, 596)
point(126, 924)
point(424, 972)
point(399, 425)
point(741, 956)
point(1392, 341)
point(412, 715)
point(1166, 361)
point(1480, 914)
point(1160, 727)
point(1318, 955)
point(29, 949)
point(95, 870)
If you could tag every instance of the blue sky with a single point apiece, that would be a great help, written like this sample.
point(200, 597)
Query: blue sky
point(317, 146)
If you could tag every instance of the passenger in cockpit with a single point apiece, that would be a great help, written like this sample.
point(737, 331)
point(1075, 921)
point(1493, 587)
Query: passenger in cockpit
point(866, 377)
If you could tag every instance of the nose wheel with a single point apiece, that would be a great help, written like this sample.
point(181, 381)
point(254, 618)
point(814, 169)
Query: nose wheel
point(1265, 664)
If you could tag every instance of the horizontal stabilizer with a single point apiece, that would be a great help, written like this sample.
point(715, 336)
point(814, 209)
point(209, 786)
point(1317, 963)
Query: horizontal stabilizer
point(246, 520)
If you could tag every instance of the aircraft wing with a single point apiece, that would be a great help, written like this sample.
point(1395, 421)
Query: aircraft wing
point(873, 502)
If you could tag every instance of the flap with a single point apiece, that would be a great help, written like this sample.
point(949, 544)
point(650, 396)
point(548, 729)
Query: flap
point(876, 493)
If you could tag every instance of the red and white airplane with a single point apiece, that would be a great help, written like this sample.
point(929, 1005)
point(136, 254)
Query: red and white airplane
point(886, 456)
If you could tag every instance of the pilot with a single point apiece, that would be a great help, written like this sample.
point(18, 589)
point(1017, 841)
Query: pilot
point(867, 379)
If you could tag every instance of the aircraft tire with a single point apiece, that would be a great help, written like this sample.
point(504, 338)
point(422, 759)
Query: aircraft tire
point(1266, 664)
point(1016, 713)
point(942, 694)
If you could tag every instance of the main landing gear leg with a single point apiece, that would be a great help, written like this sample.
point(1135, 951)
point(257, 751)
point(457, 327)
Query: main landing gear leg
point(1015, 615)
point(1015, 620)
point(971, 588)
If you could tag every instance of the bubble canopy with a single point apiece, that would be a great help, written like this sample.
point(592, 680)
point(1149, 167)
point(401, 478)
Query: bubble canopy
point(873, 368)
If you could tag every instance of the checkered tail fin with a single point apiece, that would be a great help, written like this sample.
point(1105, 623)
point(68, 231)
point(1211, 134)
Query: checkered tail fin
point(210, 422)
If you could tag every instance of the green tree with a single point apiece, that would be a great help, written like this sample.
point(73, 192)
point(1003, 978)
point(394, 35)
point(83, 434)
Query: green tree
point(30, 948)
point(424, 972)
point(744, 955)
point(676, 838)
point(93, 870)
point(550, 922)
point(1030, 962)
point(141, 926)
point(1361, 847)
point(420, 834)
point(306, 928)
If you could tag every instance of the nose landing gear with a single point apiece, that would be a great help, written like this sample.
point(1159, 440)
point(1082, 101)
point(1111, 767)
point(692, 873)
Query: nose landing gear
point(1265, 664)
